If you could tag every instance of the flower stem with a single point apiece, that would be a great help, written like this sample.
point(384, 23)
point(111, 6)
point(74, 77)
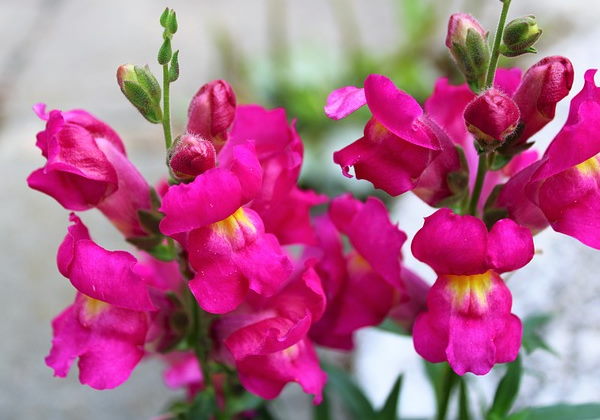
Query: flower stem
point(481, 171)
point(496, 48)
point(450, 379)
point(166, 120)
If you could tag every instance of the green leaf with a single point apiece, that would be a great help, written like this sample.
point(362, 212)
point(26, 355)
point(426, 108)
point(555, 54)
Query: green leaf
point(589, 411)
point(507, 390)
point(244, 402)
point(351, 395)
point(463, 401)
point(204, 406)
point(392, 326)
point(150, 220)
point(390, 407)
point(499, 162)
point(442, 379)
point(164, 252)
point(532, 339)
point(174, 67)
point(322, 411)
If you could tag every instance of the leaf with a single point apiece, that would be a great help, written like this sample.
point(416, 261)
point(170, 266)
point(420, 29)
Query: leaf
point(463, 401)
point(589, 411)
point(164, 252)
point(322, 411)
point(203, 407)
point(392, 326)
point(244, 402)
point(507, 390)
point(351, 395)
point(532, 339)
point(442, 379)
point(390, 407)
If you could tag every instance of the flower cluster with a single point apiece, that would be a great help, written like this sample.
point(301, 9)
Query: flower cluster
point(239, 272)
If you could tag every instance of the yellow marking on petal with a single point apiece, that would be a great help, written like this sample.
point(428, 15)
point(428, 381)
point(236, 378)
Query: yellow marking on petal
point(93, 307)
point(356, 262)
point(231, 226)
point(590, 167)
point(463, 287)
point(291, 352)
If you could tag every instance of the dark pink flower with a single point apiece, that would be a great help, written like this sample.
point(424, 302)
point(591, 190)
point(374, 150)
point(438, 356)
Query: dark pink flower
point(491, 117)
point(399, 142)
point(266, 338)
point(468, 322)
point(211, 112)
point(184, 372)
point(283, 207)
point(87, 167)
point(107, 325)
point(543, 86)
point(564, 184)
point(190, 156)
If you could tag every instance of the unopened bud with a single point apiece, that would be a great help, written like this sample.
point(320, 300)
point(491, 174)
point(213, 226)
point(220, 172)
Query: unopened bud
point(141, 88)
point(519, 36)
point(191, 156)
point(491, 117)
point(212, 111)
point(467, 41)
point(542, 87)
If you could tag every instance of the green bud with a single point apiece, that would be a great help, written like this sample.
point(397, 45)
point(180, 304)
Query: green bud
point(164, 53)
point(141, 88)
point(174, 67)
point(519, 36)
point(164, 17)
point(172, 22)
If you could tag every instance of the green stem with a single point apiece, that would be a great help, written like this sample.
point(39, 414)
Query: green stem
point(200, 341)
point(481, 171)
point(449, 381)
point(166, 120)
point(496, 48)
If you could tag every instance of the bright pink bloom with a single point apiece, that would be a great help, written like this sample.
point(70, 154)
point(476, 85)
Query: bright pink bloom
point(211, 112)
point(228, 248)
point(106, 326)
point(184, 372)
point(190, 156)
point(491, 117)
point(400, 142)
point(87, 167)
point(565, 183)
point(405, 312)
point(543, 86)
point(283, 207)
point(266, 338)
point(468, 322)
point(363, 284)
point(458, 27)
point(107, 339)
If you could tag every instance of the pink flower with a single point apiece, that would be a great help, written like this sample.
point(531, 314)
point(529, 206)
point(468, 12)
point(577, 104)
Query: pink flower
point(564, 184)
point(283, 207)
point(228, 248)
point(400, 142)
point(106, 326)
point(468, 322)
point(266, 338)
point(184, 372)
point(491, 117)
point(211, 112)
point(87, 167)
point(363, 284)
point(190, 156)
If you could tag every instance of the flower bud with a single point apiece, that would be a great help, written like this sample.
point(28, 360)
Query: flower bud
point(141, 88)
point(212, 111)
point(190, 156)
point(467, 41)
point(491, 117)
point(542, 87)
point(519, 36)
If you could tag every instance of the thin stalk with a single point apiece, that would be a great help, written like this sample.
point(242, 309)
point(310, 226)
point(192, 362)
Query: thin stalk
point(166, 120)
point(496, 48)
point(481, 171)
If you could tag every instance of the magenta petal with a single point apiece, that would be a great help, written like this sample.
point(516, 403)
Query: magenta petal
point(344, 101)
point(510, 246)
point(267, 375)
point(244, 164)
point(211, 197)
point(109, 276)
point(452, 244)
point(471, 346)
point(507, 80)
point(397, 111)
point(222, 296)
point(70, 340)
point(371, 233)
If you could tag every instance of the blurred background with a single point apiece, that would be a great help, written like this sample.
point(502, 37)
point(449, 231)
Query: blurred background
point(275, 53)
